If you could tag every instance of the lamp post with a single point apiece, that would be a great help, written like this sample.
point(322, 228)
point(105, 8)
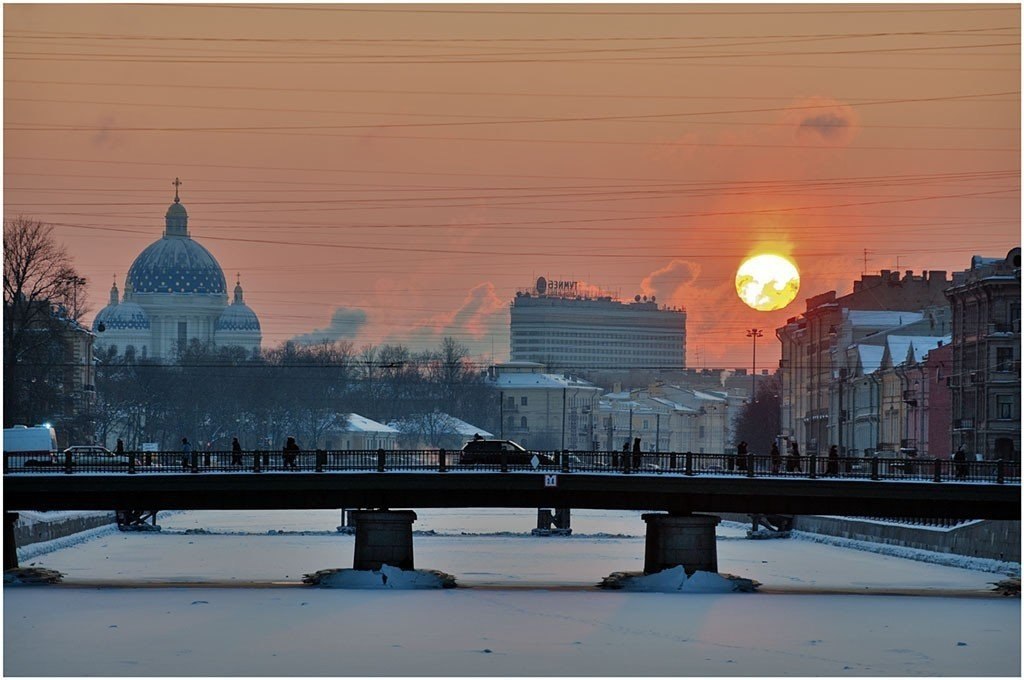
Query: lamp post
point(754, 333)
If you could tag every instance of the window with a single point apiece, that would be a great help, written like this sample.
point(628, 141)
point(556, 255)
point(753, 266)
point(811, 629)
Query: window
point(182, 334)
point(700, 434)
point(1004, 406)
point(522, 421)
point(647, 424)
point(1004, 358)
point(511, 402)
point(522, 402)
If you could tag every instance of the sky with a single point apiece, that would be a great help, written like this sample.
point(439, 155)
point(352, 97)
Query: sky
point(395, 173)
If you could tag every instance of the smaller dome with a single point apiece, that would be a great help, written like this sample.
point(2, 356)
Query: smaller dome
point(103, 317)
point(125, 316)
point(238, 317)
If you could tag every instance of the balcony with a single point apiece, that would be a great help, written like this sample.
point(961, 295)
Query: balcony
point(963, 424)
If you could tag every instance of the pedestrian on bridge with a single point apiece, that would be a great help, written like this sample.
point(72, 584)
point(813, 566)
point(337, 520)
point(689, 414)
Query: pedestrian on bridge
point(832, 468)
point(793, 461)
point(637, 454)
point(741, 456)
point(960, 462)
point(236, 452)
point(776, 458)
point(186, 453)
point(291, 454)
point(120, 447)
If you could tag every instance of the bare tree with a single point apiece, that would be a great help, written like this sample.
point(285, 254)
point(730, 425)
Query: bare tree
point(42, 291)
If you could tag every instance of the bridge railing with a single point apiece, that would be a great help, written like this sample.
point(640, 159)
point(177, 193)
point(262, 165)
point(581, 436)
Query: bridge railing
point(611, 462)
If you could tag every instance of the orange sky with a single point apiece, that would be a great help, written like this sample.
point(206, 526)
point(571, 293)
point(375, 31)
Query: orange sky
point(408, 167)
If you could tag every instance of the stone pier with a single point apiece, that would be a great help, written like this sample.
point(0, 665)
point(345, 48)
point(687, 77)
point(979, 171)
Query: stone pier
point(383, 537)
point(687, 540)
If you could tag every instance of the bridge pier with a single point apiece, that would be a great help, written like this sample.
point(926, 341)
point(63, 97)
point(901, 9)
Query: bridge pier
point(383, 537)
point(687, 540)
point(10, 545)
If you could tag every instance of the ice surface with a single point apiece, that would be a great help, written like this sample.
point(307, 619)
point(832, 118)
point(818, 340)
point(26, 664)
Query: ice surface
point(525, 606)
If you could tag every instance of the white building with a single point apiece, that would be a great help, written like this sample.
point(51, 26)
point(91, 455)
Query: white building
point(556, 324)
point(547, 411)
point(354, 432)
point(174, 293)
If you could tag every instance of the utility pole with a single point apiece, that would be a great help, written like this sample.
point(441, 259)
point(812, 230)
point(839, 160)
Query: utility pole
point(754, 333)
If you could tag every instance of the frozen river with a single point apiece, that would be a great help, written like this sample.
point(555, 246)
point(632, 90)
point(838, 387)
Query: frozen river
point(219, 593)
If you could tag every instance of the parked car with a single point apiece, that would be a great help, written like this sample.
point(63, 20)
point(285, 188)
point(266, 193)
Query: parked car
point(491, 452)
point(95, 455)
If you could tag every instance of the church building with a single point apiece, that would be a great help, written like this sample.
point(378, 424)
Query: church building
point(175, 292)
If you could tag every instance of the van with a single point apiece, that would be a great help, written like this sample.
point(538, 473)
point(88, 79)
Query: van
point(31, 446)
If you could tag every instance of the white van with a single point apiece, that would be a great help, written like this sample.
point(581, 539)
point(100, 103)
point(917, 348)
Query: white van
point(30, 445)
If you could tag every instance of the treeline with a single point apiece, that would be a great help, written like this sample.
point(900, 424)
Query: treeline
point(211, 394)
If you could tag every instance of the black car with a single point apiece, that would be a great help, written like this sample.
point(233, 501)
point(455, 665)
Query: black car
point(491, 452)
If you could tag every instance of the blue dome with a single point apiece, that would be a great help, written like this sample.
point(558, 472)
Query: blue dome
point(176, 264)
point(125, 316)
point(238, 317)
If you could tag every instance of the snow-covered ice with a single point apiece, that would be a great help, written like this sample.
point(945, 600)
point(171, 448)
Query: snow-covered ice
point(231, 602)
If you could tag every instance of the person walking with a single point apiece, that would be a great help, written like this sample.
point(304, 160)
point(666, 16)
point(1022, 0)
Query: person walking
point(793, 461)
point(236, 452)
point(960, 463)
point(832, 468)
point(776, 458)
point(120, 447)
point(291, 454)
point(637, 454)
point(742, 459)
point(186, 453)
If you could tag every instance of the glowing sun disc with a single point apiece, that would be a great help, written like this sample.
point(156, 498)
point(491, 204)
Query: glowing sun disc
point(767, 282)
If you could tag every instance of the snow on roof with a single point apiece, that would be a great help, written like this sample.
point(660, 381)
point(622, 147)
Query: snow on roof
point(673, 405)
point(870, 357)
point(461, 427)
point(913, 346)
point(881, 319)
point(358, 423)
point(540, 380)
point(706, 396)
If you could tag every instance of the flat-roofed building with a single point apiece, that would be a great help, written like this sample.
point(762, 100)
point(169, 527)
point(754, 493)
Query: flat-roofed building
point(565, 328)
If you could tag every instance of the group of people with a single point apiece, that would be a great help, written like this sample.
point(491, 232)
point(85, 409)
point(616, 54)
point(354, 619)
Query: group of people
point(289, 453)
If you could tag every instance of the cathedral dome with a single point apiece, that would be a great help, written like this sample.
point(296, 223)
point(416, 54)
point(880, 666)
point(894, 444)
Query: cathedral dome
point(238, 316)
point(125, 316)
point(176, 264)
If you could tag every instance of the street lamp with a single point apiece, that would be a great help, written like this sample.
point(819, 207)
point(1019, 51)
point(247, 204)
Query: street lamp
point(754, 333)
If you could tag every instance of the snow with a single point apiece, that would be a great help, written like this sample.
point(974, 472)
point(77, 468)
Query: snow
point(676, 580)
point(231, 602)
point(387, 576)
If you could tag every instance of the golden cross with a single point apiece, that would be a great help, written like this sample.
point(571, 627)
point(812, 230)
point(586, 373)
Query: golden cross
point(176, 183)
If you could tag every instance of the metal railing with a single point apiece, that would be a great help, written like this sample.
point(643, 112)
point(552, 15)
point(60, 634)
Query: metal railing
point(611, 462)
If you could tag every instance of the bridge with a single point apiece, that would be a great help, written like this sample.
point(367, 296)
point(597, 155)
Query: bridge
point(672, 487)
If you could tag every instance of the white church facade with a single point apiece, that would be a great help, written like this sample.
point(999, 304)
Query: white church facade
point(175, 292)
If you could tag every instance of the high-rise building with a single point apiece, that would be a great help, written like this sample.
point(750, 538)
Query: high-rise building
point(559, 325)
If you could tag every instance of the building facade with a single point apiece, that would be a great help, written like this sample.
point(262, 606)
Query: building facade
point(812, 341)
point(985, 379)
point(541, 410)
point(175, 292)
point(556, 324)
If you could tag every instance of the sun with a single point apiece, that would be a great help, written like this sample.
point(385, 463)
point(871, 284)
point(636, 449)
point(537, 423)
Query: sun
point(767, 282)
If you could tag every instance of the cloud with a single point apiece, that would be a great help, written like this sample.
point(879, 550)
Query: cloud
point(824, 119)
point(669, 282)
point(825, 124)
point(345, 325)
point(480, 322)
